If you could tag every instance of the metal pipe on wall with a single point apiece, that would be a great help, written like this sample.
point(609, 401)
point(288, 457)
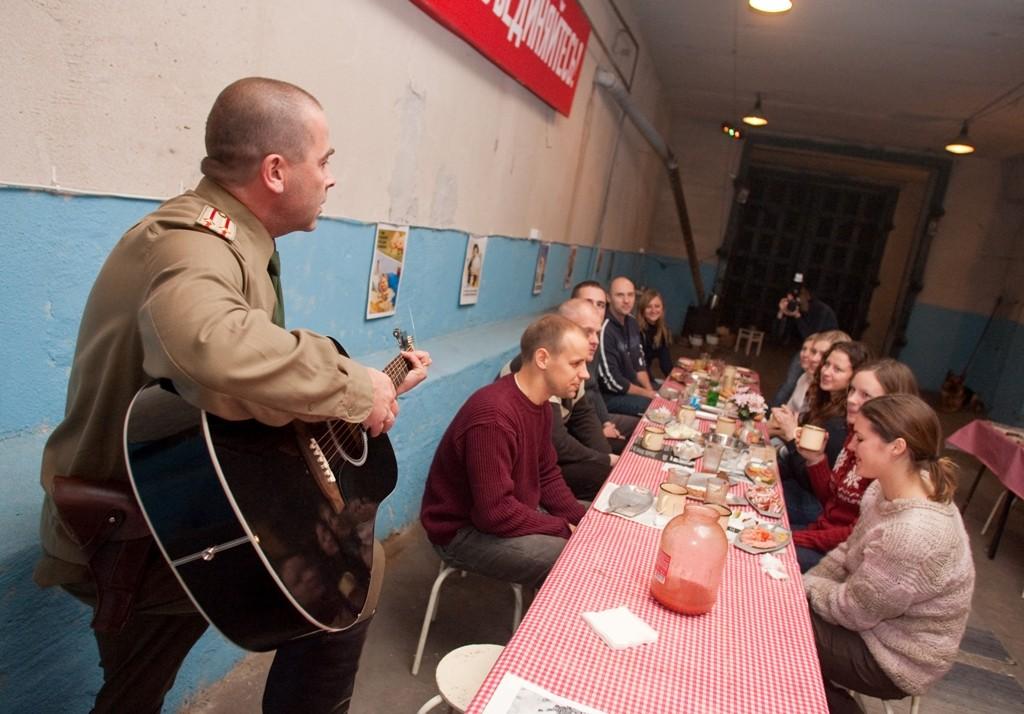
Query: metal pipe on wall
point(608, 81)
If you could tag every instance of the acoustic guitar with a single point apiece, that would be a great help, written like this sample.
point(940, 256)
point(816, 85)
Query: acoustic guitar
point(268, 529)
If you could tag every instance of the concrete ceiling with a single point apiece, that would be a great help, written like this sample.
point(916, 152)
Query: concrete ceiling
point(888, 73)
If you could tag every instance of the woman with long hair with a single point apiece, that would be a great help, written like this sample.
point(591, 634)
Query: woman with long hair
point(890, 604)
point(826, 399)
point(827, 410)
point(839, 489)
point(811, 354)
point(650, 314)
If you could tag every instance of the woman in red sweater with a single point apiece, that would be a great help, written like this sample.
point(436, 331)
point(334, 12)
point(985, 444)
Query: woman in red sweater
point(839, 489)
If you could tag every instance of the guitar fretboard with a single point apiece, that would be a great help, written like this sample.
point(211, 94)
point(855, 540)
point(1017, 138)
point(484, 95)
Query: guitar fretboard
point(397, 369)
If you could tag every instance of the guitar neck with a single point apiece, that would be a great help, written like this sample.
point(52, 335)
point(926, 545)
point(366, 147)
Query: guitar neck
point(397, 369)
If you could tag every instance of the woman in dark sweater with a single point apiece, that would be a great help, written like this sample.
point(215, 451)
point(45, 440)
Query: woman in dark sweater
point(650, 314)
point(827, 399)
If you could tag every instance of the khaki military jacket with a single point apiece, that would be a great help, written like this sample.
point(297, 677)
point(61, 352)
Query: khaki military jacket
point(193, 304)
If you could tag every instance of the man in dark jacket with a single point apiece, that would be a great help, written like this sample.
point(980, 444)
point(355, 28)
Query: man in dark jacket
point(621, 370)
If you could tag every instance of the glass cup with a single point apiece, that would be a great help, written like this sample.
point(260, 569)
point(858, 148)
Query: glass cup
point(686, 415)
point(671, 500)
point(712, 457)
point(677, 475)
point(717, 491)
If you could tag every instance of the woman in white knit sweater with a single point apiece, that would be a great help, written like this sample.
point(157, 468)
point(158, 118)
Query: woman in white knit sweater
point(890, 604)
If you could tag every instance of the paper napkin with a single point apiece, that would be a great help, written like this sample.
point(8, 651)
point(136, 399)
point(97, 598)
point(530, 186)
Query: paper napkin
point(772, 566)
point(620, 628)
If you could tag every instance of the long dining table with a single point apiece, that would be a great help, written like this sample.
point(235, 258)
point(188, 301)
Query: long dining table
point(754, 652)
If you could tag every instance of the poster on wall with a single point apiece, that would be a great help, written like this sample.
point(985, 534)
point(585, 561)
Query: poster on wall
point(542, 265)
point(567, 283)
point(472, 268)
point(386, 270)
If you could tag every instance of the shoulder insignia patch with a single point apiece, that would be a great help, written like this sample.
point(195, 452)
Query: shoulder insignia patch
point(218, 222)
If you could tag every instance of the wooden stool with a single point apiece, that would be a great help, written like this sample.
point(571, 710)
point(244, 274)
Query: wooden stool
point(431, 614)
point(751, 336)
point(460, 674)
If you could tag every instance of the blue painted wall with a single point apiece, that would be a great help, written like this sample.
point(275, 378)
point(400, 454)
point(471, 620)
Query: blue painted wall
point(54, 246)
point(940, 339)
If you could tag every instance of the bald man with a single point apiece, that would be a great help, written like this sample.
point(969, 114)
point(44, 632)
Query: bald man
point(621, 370)
point(584, 453)
point(186, 296)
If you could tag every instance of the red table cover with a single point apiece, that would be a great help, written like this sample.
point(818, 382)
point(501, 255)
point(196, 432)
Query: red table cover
point(998, 446)
point(754, 652)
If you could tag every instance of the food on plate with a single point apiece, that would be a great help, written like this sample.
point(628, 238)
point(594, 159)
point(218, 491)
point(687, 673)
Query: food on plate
point(678, 430)
point(765, 499)
point(695, 490)
point(760, 471)
point(763, 538)
point(687, 450)
point(659, 415)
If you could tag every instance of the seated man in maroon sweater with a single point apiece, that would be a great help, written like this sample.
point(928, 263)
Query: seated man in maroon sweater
point(495, 502)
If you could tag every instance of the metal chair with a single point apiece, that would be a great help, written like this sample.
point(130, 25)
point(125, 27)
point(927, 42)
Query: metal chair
point(431, 613)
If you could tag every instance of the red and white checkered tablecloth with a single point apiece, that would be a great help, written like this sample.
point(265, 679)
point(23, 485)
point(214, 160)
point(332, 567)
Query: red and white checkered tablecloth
point(754, 652)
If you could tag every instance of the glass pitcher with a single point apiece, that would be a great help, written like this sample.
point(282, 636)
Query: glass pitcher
point(690, 561)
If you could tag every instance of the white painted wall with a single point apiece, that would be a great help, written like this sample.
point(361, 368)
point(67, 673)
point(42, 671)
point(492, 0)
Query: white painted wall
point(978, 252)
point(113, 97)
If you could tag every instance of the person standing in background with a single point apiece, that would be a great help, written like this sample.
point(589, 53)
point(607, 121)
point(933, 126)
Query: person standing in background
point(811, 316)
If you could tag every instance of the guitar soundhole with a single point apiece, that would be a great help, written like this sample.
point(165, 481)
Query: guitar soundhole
point(347, 439)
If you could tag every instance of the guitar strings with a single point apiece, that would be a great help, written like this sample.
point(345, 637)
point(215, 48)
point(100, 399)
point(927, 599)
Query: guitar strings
point(345, 437)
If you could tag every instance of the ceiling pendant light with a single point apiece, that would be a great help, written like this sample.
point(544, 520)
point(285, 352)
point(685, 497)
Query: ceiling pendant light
point(961, 144)
point(755, 117)
point(771, 6)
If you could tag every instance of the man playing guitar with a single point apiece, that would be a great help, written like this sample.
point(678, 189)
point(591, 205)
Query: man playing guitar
point(186, 297)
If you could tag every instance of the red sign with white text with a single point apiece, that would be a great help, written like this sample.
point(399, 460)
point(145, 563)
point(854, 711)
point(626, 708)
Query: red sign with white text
point(541, 43)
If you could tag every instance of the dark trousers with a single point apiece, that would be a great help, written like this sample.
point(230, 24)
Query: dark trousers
point(585, 478)
point(526, 560)
point(633, 404)
point(846, 663)
point(312, 674)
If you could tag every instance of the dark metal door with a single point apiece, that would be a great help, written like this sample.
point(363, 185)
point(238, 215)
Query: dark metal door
point(832, 231)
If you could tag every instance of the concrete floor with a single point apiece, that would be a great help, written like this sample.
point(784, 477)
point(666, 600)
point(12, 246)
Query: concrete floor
point(479, 610)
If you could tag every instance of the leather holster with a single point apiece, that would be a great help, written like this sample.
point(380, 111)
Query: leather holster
point(106, 521)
